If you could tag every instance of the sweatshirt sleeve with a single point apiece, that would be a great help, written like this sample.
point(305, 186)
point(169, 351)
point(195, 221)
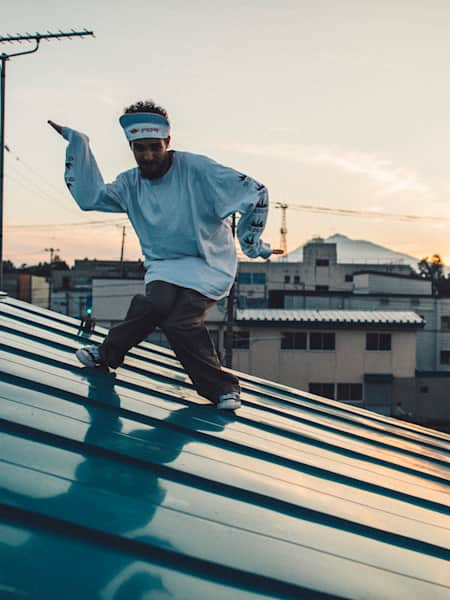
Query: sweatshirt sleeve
point(236, 192)
point(84, 180)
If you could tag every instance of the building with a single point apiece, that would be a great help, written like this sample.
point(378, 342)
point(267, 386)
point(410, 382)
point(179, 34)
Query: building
point(72, 289)
point(27, 287)
point(111, 298)
point(83, 271)
point(367, 358)
point(270, 283)
point(376, 290)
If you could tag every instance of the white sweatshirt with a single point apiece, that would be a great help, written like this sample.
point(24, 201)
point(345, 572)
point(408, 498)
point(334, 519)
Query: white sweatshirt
point(180, 218)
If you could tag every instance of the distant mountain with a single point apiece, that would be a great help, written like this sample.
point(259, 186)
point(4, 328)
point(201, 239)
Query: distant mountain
point(359, 251)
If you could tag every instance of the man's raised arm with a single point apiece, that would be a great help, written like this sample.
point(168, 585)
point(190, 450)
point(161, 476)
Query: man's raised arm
point(83, 177)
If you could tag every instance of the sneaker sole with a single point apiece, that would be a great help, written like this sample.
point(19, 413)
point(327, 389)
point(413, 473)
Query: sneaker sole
point(230, 404)
point(85, 358)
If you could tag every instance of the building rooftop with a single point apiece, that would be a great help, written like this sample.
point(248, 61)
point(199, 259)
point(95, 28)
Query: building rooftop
point(129, 485)
point(353, 317)
point(411, 276)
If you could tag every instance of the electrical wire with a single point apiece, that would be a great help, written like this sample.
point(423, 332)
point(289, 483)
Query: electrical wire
point(31, 188)
point(347, 212)
point(30, 168)
point(342, 212)
point(26, 180)
point(97, 223)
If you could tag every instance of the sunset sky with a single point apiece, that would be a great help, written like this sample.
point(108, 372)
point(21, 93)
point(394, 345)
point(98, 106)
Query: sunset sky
point(338, 104)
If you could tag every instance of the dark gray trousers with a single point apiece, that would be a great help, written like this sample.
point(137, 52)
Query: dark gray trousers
point(180, 313)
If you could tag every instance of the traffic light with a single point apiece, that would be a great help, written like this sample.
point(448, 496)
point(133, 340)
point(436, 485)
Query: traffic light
point(89, 304)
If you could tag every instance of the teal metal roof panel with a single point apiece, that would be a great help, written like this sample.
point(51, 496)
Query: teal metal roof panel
point(130, 484)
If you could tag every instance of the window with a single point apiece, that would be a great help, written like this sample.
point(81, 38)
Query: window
point(350, 392)
point(322, 262)
point(322, 288)
point(378, 341)
point(293, 340)
point(259, 278)
point(287, 279)
point(252, 278)
point(297, 279)
point(245, 278)
point(241, 340)
point(445, 323)
point(322, 389)
point(250, 302)
point(322, 341)
point(384, 301)
point(445, 357)
point(349, 278)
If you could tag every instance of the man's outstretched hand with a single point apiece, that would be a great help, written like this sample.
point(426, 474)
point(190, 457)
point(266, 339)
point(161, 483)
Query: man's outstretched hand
point(55, 126)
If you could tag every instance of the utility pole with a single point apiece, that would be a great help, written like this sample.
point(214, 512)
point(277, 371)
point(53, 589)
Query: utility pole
point(52, 253)
point(283, 229)
point(230, 312)
point(50, 279)
point(121, 250)
point(4, 57)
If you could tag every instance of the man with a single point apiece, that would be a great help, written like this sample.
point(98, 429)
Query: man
point(178, 204)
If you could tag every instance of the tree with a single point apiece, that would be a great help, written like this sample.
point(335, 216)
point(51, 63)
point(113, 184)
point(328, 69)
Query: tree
point(59, 264)
point(45, 268)
point(8, 267)
point(432, 269)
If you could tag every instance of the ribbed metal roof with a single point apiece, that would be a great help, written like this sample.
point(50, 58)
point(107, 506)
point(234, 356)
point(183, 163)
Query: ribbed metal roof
point(363, 317)
point(129, 485)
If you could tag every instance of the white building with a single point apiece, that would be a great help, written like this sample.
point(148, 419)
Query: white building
point(268, 283)
point(364, 357)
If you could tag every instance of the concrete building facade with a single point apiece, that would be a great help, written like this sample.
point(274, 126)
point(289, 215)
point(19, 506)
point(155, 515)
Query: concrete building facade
point(27, 287)
point(267, 283)
point(367, 358)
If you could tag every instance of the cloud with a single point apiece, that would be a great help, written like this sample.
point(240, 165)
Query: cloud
point(389, 178)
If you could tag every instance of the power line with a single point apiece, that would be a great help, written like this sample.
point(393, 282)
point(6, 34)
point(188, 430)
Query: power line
point(342, 212)
point(25, 178)
point(347, 212)
point(4, 58)
point(27, 165)
point(32, 188)
point(97, 223)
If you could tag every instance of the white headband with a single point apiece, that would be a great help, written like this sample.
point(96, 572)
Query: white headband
point(144, 125)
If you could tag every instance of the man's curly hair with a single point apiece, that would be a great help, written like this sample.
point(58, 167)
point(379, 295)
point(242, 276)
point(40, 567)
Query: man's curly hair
point(147, 106)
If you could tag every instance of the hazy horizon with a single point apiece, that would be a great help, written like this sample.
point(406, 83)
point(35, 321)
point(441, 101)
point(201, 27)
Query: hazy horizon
point(369, 257)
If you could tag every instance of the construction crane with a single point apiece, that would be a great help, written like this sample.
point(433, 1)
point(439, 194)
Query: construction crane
point(283, 229)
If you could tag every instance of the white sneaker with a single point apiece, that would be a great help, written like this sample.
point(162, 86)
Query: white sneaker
point(230, 401)
point(89, 356)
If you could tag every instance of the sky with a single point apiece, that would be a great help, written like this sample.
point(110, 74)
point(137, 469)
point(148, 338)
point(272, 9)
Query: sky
point(340, 105)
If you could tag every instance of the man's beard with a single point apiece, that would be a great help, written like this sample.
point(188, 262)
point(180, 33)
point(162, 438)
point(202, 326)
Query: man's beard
point(150, 170)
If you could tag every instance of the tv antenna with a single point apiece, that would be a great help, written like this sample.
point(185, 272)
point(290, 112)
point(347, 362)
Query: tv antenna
point(4, 57)
point(283, 228)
